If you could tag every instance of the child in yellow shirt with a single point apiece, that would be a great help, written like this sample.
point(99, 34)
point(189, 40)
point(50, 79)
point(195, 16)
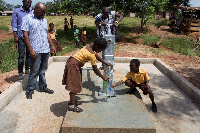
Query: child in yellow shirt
point(137, 77)
point(72, 76)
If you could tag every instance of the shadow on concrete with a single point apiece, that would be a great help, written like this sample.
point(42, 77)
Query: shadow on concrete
point(59, 109)
point(123, 92)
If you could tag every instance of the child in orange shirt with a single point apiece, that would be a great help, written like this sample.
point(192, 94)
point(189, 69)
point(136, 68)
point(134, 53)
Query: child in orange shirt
point(137, 77)
point(56, 43)
point(72, 76)
point(83, 36)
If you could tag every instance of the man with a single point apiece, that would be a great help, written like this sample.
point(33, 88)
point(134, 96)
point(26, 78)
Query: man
point(38, 41)
point(17, 16)
point(104, 18)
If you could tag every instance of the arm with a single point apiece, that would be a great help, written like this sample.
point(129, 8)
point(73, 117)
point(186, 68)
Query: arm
point(119, 20)
point(118, 83)
point(14, 26)
point(28, 44)
point(101, 60)
point(51, 46)
point(97, 72)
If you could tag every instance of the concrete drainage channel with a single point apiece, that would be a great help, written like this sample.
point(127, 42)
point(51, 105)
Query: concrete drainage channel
point(7, 96)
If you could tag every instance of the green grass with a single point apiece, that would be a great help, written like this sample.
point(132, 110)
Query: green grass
point(9, 55)
point(4, 28)
point(179, 45)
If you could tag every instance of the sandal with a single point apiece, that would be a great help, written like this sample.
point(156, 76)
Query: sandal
point(75, 109)
point(154, 107)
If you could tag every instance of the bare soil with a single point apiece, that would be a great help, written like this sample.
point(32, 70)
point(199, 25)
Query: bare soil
point(187, 66)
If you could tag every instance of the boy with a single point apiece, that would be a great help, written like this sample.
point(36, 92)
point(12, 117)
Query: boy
point(66, 25)
point(71, 22)
point(72, 76)
point(137, 77)
point(76, 39)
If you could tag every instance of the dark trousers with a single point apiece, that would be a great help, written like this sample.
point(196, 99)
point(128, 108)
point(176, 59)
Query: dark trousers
point(22, 48)
point(38, 68)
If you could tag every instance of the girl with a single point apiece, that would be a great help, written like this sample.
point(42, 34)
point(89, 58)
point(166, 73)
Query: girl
point(56, 43)
point(72, 77)
point(83, 36)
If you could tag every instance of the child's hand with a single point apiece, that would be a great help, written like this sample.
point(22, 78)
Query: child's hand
point(105, 78)
point(113, 86)
point(109, 64)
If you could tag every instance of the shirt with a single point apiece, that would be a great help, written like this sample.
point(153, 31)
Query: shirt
point(16, 22)
point(76, 32)
point(139, 77)
point(53, 35)
point(109, 20)
point(37, 32)
point(84, 56)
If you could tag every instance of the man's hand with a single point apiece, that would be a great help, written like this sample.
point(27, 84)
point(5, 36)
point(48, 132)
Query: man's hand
point(103, 24)
point(16, 39)
point(33, 54)
point(115, 24)
point(105, 78)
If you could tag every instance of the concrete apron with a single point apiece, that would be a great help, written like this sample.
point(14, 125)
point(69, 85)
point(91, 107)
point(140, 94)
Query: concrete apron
point(123, 113)
point(99, 111)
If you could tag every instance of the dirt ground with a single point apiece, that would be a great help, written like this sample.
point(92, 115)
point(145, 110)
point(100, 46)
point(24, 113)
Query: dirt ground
point(187, 66)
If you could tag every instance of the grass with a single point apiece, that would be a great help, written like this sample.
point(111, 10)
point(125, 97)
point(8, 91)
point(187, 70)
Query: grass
point(4, 28)
point(179, 45)
point(9, 55)
point(126, 28)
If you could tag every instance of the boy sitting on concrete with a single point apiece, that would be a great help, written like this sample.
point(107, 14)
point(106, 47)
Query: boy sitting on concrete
point(137, 77)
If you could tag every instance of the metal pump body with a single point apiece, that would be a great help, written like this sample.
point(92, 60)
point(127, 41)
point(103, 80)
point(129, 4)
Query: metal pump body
point(108, 56)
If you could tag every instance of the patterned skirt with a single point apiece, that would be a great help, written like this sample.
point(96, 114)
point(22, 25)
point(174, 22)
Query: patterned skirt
point(72, 76)
point(57, 45)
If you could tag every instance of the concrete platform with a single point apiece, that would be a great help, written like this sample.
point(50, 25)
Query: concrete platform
point(48, 112)
point(123, 113)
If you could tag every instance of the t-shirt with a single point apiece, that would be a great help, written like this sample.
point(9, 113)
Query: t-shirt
point(84, 56)
point(53, 35)
point(139, 77)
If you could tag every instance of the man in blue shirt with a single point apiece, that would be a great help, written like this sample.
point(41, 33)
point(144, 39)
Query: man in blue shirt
point(17, 16)
point(38, 41)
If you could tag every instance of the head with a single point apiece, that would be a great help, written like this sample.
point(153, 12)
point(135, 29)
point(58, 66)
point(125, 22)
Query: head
point(84, 28)
point(40, 10)
point(71, 16)
point(65, 19)
point(99, 45)
point(134, 65)
point(26, 4)
point(105, 12)
point(75, 27)
point(51, 26)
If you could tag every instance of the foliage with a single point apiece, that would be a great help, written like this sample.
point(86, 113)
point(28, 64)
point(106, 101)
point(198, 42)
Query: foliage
point(4, 6)
point(169, 5)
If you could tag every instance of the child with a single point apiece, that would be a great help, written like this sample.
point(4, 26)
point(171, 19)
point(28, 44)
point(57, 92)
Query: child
point(76, 39)
point(138, 77)
point(71, 22)
point(56, 43)
point(66, 25)
point(0, 59)
point(83, 36)
point(72, 76)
